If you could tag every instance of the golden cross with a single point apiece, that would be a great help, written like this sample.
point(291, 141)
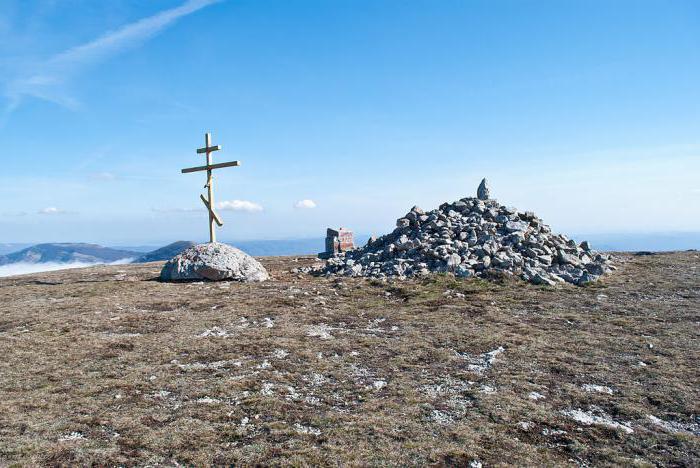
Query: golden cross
point(209, 203)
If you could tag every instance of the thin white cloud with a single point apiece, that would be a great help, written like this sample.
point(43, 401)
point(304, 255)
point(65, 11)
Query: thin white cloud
point(305, 204)
point(51, 210)
point(46, 80)
point(239, 205)
point(177, 210)
point(103, 176)
point(229, 205)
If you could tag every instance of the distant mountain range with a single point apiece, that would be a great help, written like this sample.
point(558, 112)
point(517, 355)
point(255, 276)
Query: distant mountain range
point(89, 253)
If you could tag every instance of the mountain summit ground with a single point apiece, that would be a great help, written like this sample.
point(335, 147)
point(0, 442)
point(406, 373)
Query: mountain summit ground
point(108, 366)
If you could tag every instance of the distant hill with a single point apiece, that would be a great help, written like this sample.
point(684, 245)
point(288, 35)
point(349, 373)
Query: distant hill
point(165, 253)
point(67, 253)
point(6, 248)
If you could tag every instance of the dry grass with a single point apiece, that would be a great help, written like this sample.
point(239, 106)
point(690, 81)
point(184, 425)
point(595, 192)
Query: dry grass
point(108, 366)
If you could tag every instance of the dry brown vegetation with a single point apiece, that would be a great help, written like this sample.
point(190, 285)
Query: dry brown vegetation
point(109, 366)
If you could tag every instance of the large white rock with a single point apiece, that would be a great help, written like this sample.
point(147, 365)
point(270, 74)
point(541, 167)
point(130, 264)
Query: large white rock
point(214, 262)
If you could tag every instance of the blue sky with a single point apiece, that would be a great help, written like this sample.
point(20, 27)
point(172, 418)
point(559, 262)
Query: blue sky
point(587, 113)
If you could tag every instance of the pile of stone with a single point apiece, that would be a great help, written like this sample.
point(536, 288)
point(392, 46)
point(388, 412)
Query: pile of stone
point(473, 237)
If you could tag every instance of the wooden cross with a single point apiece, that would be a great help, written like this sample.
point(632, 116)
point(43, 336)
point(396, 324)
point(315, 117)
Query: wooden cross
point(209, 203)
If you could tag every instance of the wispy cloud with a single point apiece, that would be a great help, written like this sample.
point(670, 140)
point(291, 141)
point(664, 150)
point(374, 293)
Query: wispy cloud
point(239, 205)
point(228, 205)
point(48, 79)
point(103, 176)
point(177, 210)
point(51, 210)
point(305, 204)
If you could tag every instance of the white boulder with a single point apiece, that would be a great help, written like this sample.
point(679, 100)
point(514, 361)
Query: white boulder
point(214, 262)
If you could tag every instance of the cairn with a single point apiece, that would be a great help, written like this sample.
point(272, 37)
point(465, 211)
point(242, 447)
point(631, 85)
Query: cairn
point(473, 237)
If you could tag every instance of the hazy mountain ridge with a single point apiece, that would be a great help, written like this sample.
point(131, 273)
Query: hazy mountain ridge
point(81, 253)
point(67, 253)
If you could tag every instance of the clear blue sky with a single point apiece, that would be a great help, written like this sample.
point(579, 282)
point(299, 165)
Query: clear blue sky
point(587, 113)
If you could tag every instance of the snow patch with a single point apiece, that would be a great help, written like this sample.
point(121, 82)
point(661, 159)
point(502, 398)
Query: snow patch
point(280, 353)
point(267, 389)
point(378, 384)
point(198, 366)
point(482, 362)
point(597, 388)
point(307, 430)
point(525, 425)
point(441, 417)
point(602, 419)
point(675, 427)
point(321, 331)
point(215, 331)
point(208, 400)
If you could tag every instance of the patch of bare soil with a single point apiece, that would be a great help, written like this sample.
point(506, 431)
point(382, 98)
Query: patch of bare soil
point(108, 366)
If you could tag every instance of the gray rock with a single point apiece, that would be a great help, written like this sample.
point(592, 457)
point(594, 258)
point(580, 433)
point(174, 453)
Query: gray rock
point(484, 191)
point(213, 262)
point(543, 278)
point(567, 259)
point(454, 260)
point(462, 271)
point(513, 226)
point(402, 222)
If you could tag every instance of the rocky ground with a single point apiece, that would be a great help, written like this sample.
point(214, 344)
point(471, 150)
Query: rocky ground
point(108, 366)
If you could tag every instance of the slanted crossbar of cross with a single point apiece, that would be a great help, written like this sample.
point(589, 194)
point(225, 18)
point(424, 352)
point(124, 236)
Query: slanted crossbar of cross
point(209, 202)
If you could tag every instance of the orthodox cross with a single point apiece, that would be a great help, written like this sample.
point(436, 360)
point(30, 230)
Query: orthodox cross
point(209, 202)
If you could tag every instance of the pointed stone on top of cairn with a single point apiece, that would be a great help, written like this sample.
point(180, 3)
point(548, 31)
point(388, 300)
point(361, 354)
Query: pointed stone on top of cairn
point(484, 191)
